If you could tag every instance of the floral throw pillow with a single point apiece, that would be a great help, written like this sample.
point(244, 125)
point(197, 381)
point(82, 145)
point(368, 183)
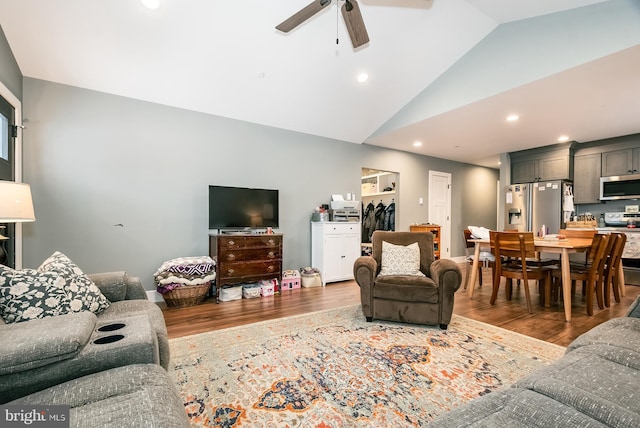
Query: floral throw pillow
point(400, 260)
point(83, 294)
point(28, 294)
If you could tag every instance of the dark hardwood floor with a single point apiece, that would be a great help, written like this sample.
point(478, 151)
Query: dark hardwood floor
point(545, 323)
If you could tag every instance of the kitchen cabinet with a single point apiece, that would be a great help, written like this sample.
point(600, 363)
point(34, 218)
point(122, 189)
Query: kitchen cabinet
point(621, 162)
point(586, 173)
point(543, 167)
point(335, 246)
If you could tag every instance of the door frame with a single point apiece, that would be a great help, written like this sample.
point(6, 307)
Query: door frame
point(17, 158)
point(445, 229)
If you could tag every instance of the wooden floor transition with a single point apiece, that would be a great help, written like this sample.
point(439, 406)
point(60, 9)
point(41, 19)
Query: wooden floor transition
point(545, 323)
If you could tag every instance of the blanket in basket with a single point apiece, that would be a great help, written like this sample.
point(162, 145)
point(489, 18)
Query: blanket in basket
point(184, 271)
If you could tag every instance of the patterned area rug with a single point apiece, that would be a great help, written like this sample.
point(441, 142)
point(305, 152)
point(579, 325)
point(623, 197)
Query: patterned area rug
point(333, 369)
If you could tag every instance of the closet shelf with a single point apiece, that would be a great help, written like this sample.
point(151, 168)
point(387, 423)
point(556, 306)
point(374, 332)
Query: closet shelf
point(392, 192)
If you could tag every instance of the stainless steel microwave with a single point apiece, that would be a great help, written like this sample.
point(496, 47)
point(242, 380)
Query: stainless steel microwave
point(620, 187)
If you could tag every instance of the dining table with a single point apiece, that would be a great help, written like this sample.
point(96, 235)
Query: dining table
point(564, 247)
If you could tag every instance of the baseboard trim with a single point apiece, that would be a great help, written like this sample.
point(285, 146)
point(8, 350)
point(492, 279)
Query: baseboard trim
point(154, 296)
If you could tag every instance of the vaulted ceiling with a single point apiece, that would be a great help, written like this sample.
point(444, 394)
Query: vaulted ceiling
point(442, 72)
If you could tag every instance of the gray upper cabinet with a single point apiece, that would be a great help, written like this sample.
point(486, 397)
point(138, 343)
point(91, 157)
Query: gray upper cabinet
point(524, 171)
point(542, 167)
point(586, 173)
point(621, 162)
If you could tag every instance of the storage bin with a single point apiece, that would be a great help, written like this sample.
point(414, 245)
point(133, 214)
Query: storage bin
point(311, 280)
point(230, 292)
point(268, 288)
point(251, 290)
point(290, 280)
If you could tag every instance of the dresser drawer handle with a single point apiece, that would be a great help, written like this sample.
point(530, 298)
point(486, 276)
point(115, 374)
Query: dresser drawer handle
point(230, 271)
point(271, 242)
point(270, 268)
point(231, 256)
point(231, 243)
point(271, 255)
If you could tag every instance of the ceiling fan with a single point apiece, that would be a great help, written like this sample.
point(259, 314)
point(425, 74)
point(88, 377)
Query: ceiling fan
point(350, 13)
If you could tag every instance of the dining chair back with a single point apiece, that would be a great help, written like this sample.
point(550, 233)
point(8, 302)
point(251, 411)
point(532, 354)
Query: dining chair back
point(612, 269)
point(518, 247)
point(579, 233)
point(592, 273)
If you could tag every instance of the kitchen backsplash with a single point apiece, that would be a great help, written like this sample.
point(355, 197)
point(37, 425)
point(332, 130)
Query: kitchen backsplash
point(605, 207)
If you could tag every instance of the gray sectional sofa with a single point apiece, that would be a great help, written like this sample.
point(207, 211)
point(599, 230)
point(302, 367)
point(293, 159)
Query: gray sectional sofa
point(109, 368)
point(595, 384)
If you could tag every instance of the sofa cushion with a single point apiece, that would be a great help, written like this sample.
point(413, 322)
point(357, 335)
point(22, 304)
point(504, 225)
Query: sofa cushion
point(113, 285)
point(138, 395)
point(400, 259)
point(514, 408)
point(618, 332)
point(82, 292)
point(600, 381)
point(28, 294)
point(41, 342)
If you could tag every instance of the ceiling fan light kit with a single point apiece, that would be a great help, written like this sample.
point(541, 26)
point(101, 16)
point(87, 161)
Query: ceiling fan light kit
point(350, 12)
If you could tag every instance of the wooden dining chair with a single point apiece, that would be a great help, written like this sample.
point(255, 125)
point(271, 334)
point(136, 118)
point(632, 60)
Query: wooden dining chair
point(582, 234)
point(591, 274)
point(520, 248)
point(484, 260)
point(611, 280)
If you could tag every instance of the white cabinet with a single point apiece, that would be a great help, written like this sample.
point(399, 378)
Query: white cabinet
point(335, 246)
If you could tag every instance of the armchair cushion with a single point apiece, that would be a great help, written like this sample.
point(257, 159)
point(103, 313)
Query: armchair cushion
point(41, 342)
point(406, 288)
point(400, 259)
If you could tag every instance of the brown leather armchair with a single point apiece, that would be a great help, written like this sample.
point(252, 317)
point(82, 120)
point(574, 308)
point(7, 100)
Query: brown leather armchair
point(410, 299)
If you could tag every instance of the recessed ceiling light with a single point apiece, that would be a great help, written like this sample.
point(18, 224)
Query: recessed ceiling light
point(563, 138)
point(417, 144)
point(512, 118)
point(362, 77)
point(151, 4)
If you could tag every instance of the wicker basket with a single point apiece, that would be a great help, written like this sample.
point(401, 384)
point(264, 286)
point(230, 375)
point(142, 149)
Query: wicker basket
point(187, 295)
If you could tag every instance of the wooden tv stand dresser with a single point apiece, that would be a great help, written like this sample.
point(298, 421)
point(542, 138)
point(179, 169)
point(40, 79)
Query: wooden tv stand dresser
point(243, 258)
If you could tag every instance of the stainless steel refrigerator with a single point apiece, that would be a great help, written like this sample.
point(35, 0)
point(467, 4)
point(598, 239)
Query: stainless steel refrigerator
point(518, 207)
point(529, 206)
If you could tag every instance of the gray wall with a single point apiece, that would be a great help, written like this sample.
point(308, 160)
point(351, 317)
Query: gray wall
point(96, 160)
point(10, 73)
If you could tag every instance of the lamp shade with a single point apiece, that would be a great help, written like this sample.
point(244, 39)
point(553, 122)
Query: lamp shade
point(15, 202)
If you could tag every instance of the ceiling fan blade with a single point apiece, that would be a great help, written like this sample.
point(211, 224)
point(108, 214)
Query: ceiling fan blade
point(302, 15)
point(355, 23)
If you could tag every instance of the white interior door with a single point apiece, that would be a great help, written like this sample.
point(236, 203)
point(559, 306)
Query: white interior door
point(440, 208)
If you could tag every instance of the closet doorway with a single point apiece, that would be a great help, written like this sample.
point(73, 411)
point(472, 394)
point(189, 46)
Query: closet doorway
point(380, 191)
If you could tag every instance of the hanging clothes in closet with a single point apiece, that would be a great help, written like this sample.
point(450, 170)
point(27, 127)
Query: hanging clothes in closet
point(377, 217)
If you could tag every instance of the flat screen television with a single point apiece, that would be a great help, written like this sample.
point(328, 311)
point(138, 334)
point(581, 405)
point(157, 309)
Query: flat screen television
point(242, 208)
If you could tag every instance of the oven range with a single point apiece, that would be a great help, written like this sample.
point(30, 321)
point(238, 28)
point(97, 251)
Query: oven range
point(626, 223)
